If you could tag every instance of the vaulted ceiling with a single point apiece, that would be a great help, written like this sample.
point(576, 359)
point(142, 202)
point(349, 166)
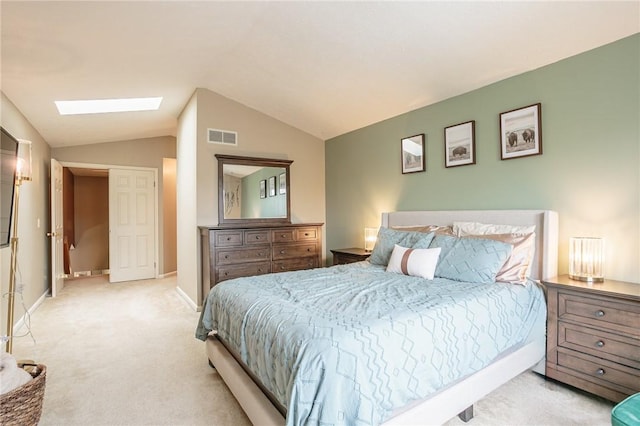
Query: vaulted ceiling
point(324, 67)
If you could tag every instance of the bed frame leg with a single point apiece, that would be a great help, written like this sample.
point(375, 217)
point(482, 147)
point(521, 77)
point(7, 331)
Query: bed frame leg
point(467, 414)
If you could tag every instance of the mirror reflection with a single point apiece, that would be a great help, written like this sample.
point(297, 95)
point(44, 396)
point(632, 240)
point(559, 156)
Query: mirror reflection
point(254, 192)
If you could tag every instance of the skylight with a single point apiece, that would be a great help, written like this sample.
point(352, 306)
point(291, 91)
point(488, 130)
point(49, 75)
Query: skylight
point(96, 106)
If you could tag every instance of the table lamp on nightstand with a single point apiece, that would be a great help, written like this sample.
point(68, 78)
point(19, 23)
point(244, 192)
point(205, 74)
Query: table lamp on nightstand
point(586, 259)
point(370, 237)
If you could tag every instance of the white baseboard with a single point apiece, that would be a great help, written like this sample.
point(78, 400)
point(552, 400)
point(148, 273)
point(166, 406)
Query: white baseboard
point(168, 274)
point(21, 322)
point(187, 299)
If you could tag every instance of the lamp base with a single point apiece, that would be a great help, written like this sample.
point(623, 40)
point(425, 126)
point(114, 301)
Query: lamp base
point(587, 279)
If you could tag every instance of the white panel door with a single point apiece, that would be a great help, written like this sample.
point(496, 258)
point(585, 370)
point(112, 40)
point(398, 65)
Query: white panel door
point(56, 233)
point(131, 225)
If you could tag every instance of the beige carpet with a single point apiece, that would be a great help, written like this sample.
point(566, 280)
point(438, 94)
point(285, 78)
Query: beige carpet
point(124, 354)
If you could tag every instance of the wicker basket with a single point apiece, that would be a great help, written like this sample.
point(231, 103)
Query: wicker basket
point(23, 405)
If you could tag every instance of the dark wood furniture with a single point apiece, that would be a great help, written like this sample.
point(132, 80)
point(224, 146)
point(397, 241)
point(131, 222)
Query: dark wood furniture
point(593, 336)
point(254, 250)
point(349, 255)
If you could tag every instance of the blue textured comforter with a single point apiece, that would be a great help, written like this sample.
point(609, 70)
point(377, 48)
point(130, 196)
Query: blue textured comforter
point(349, 344)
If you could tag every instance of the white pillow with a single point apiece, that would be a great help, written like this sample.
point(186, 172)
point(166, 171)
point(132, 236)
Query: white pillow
point(414, 262)
point(462, 229)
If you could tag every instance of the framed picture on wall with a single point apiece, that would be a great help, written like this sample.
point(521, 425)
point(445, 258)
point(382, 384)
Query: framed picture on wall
point(413, 159)
point(263, 188)
point(460, 144)
point(272, 186)
point(521, 132)
point(282, 183)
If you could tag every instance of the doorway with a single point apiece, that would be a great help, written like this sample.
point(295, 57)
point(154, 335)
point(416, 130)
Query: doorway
point(89, 222)
point(86, 221)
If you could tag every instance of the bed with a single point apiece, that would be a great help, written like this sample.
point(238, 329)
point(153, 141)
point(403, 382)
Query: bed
point(362, 361)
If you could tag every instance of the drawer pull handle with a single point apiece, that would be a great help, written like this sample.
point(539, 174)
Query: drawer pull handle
point(600, 313)
point(226, 256)
point(282, 251)
point(599, 343)
point(259, 269)
point(257, 237)
point(306, 234)
point(600, 371)
point(228, 238)
point(308, 249)
point(281, 267)
point(226, 273)
point(283, 236)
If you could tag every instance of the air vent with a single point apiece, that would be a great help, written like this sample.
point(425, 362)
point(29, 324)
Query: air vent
point(224, 137)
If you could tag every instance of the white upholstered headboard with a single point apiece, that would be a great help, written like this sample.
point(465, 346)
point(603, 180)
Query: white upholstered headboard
point(545, 261)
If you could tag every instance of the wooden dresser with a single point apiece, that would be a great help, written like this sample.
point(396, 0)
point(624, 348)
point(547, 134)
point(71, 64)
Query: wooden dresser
point(593, 336)
point(241, 252)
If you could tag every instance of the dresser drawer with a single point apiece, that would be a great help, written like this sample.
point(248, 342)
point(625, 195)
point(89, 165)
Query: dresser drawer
point(228, 238)
point(243, 270)
point(305, 234)
point(257, 237)
point(600, 371)
point(600, 312)
point(600, 343)
point(283, 235)
point(248, 254)
point(293, 250)
point(295, 264)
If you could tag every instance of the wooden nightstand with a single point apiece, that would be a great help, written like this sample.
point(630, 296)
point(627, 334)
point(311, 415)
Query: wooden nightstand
point(349, 255)
point(593, 336)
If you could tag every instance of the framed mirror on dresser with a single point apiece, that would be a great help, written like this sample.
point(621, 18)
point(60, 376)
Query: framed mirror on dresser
point(253, 190)
point(255, 235)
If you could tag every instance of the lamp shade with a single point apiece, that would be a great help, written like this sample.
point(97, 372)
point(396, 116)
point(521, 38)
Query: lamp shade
point(23, 166)
point(370, 237)
point(586, 259)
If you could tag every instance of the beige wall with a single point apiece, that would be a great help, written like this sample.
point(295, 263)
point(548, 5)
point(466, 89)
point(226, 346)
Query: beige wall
point(33, 217)
point(169, 211)
point(148, 152)
point(91, 218)
point(186, 225)
point(258, 136)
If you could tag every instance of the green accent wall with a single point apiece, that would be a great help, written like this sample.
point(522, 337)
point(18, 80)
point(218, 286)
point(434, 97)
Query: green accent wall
point(589, 171)
point(271, 206)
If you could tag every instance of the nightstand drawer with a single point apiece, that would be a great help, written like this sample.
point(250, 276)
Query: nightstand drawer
point(602, 344)
point(600, 371)
point(593, 336)
point(600, 312)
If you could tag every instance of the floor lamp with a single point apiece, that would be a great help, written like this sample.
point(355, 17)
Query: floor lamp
point(23, 174)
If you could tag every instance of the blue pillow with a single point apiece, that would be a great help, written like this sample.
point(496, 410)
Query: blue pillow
point(470, 259)
point(388, 238)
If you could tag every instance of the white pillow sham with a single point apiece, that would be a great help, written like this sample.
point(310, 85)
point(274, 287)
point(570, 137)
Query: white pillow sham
point(462, 229)
point(414, 262)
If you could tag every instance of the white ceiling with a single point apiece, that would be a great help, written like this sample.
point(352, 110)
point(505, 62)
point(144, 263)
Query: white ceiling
point(324, 67)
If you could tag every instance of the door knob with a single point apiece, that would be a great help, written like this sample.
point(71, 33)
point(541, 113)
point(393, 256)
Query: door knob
point(52, 234)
